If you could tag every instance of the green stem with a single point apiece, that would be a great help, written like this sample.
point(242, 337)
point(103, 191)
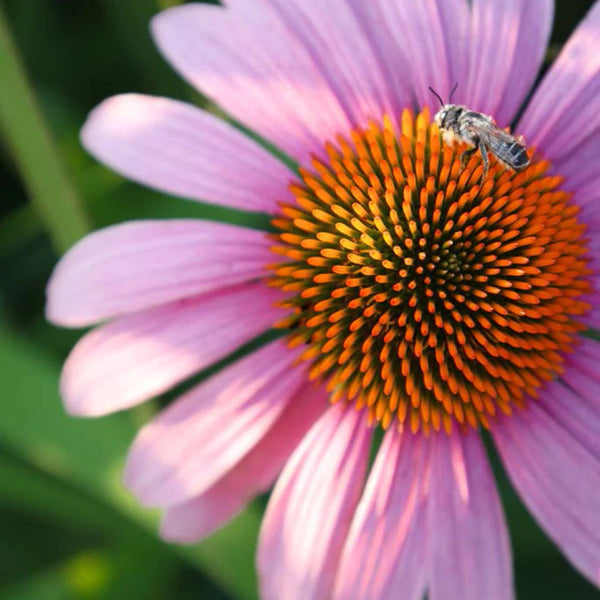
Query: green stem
point(35, 154)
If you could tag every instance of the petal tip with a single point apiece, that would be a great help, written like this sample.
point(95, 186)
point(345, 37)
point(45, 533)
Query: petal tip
point(60, 309)
point(175, 532)
point(168, 21)
point(107, 117)
point(79, 399)
point(150, 484)
point(75, 405)
point(130, 476)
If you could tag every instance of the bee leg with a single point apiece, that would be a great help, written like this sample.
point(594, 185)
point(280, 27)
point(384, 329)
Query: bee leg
point(465, 156)
point(485, 159)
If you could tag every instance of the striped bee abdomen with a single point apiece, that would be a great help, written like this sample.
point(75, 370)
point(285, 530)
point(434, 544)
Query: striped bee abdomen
point(510, 152)
point(519, 155)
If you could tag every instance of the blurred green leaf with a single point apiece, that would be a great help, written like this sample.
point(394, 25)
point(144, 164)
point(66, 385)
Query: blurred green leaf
point(21, 225)
point(23, 487)
point(90, 454)
point(131, 21)
point(39, 163)
point(32, 543)
point(120, 574)
point(50, 585)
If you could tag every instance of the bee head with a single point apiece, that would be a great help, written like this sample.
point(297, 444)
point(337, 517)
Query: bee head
point(447, 116)
point(440, 116)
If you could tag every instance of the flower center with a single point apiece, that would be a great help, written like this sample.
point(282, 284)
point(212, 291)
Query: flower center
point(420, 293)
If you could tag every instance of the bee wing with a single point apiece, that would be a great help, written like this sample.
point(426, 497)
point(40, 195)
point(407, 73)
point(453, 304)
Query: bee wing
point(507, 148)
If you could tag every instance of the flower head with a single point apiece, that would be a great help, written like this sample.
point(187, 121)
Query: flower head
point(416, 291)
point(419, 292)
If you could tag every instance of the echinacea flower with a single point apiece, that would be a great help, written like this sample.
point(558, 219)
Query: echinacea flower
point(413, 296)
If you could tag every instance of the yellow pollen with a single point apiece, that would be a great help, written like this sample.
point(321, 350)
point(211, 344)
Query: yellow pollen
point(421, 292)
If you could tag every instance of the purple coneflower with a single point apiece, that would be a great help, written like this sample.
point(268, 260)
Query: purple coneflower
point(413, 296)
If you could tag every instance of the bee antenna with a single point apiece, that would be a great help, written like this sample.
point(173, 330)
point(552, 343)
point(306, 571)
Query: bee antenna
point(436, 95)
point(452, 92)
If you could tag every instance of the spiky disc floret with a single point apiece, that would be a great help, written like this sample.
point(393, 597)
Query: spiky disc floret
point(419, 292)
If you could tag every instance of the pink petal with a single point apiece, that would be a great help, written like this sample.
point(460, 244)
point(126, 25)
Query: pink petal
point(442, 42)
point(508, 42)
point(310, 510)
point(184, 151)
point(191, 444)
point(246, 59)
point(430, 516)
point(565, 109)
point(576, 407)
point(592, 318)
point(574, 401)
point(196, 519)
point(588, 202)
point(557, 477)
point(139, 265)
point(385, 554)
point(139, 356)
point(333, 36)
point(254, 474)
point(470, 550)
point(419, 44)
point(590, 216)
point(581, 167)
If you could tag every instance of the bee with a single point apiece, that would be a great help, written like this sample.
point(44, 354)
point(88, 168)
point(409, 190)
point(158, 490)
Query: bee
point(457, 122)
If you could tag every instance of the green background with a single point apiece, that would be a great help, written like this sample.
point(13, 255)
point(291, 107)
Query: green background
point(67, 528)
